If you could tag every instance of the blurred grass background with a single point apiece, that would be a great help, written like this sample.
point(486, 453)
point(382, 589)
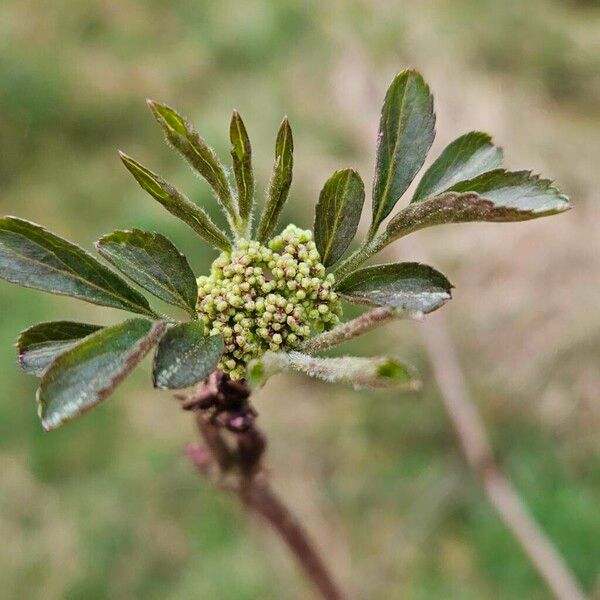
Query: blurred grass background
point(108, 507)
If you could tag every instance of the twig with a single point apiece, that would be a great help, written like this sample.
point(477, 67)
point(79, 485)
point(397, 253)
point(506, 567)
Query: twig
point(351, 329)
point(475, 444)
point(223, 411)
point(261, 498)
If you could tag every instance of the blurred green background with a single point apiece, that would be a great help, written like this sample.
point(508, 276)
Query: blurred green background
point(108, 507)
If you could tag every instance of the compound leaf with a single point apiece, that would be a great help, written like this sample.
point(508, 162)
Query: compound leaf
point(498, 195)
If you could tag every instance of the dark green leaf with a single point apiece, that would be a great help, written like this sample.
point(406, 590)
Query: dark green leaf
point(468, 156)
point(241, 153)
point(406, 131)
point(39, 345)
point(152, 261)
point(519, 190)
point(337, 214)
point(412, 288)
point(34, 257)
point(182, 135)
point(185, 356)
point(177, 204)
point(495, 196)
point(87, 373)
point(280, 183)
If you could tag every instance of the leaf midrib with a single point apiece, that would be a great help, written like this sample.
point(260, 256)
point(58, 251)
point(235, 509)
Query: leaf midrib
point(133, 262)
point(337, 200)
point(74, 275)
point(390, 173)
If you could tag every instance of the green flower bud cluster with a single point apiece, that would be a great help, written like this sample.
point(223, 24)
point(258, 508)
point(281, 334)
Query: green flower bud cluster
point(263, 298)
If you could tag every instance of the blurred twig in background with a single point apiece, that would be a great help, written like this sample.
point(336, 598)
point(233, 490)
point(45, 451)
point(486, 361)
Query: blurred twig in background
point(476, 447)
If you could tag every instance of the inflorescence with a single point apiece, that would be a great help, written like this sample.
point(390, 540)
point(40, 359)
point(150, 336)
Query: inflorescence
point(262, 298)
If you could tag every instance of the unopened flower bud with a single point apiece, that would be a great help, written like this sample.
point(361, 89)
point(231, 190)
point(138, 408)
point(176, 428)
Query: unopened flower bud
point(266, 297)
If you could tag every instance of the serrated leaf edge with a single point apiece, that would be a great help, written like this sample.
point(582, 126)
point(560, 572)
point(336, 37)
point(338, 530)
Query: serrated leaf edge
point(137, 354)
point(191, 309)
point(147, 309)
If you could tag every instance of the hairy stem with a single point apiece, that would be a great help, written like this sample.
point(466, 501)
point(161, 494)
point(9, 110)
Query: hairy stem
point(358, 257)
point(232, 458)
point(349, 330)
